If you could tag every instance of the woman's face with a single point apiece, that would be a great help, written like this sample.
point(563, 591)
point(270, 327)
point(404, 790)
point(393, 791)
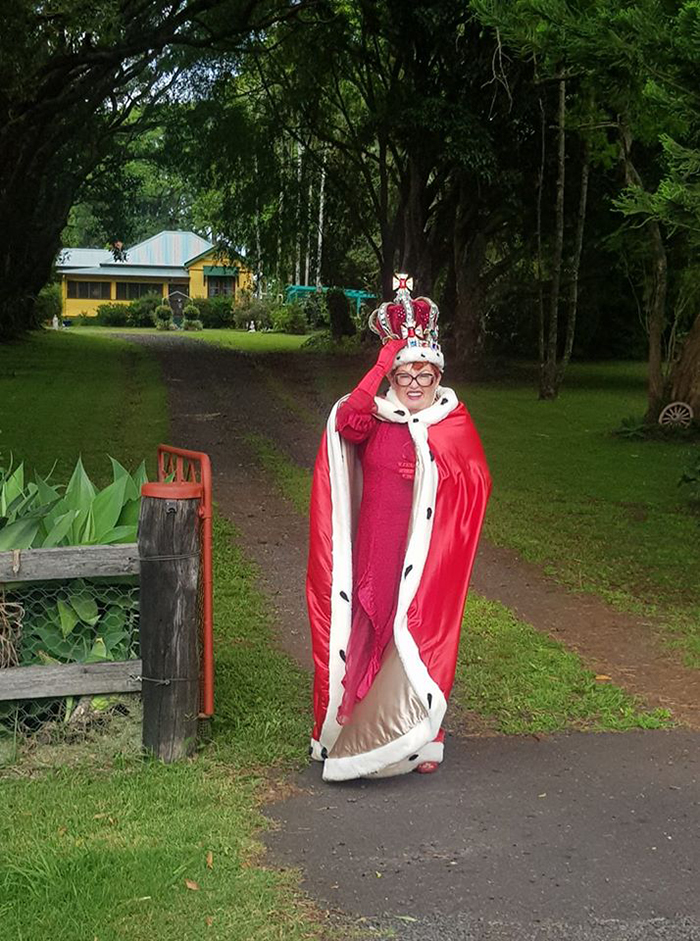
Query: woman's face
point(415, 385)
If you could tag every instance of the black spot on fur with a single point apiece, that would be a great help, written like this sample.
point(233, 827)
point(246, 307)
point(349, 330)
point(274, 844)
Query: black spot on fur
point(423, 355)
point(412, 757)
point(324, 753)
point(432, 456)
point(430, 700)
point(443, 402)
point(344, 596)
point(408, 569)
point(415, 420)
point(399, 411)
point(342, 655)
point(430, 512)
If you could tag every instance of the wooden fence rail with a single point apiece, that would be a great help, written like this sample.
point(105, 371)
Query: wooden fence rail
point(167, 561)
point(69, 679)
point(34, 565)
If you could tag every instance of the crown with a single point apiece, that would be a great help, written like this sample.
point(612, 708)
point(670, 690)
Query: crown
point(412, 319)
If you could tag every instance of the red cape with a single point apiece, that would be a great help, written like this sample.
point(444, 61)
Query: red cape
point(435, 613)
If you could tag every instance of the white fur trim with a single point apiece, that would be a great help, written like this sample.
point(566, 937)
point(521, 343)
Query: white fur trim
point(420, 354)
point(343, 462)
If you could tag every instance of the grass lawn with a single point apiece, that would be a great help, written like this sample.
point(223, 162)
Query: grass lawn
point(257, 342)
point(515, 678)
point(64, 395)
point(104, 847)
point(96, 842)
point(601, 513)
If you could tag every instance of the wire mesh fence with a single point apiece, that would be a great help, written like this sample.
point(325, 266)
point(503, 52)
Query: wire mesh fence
point(76, 620)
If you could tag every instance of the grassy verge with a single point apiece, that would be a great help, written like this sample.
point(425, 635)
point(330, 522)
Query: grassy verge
point(95, 842)
point(509, 674)
point(600, 513)
point(525, 682)
point(138, 850)
point(64, 395)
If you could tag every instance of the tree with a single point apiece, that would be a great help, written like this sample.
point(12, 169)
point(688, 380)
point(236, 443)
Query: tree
point(74, 80)
point(642, 59)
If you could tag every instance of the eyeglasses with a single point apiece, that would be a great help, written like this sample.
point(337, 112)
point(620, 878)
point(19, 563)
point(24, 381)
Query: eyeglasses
point(423, 379)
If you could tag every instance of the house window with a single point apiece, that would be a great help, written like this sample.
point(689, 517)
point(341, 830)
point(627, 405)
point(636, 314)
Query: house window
point(92, 290)
point(217, 287)
point(132, 290)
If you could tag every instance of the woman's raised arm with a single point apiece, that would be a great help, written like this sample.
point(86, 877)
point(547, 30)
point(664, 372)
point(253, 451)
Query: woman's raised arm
point(355, 416)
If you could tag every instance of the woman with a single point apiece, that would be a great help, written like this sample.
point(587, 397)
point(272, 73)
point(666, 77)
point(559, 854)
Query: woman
point(398, 499)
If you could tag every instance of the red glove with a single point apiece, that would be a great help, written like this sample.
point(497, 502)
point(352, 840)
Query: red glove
point(362, 397)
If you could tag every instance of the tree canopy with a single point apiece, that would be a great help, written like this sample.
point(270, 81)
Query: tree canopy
point(533, 163)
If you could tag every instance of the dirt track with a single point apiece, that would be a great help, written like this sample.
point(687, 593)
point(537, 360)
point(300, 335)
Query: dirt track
point(572, 837)
point(218, 396)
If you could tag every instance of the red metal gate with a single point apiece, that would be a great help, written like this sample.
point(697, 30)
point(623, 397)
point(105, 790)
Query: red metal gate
point(178, 465)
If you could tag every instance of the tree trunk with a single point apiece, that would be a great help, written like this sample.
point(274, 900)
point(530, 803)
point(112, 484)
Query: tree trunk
point(258, 251)
point(575, 266)
point(540, 279)
point(656, 305)
point(685, 375)
point(548, 372)
point(657, 321)
point(297, 234)
point(319, 243)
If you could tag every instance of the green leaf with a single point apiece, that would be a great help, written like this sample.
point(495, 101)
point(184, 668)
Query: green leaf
point(129, 515)
point(107, 507)
point(16, 508)
point(140, 476)
point(85, 607)
point(80, 492)
point(98, 652)
point(119, 534)
point(68, 616)
point(60, 529)
point(11, 489)
point(19, 535)
point(83, 530)
point(132, 490)
point(47, 493)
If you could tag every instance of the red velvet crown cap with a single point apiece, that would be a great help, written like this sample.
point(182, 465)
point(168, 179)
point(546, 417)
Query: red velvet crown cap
point(396, 314)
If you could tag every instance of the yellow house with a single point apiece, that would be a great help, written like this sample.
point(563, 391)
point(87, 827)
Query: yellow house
point(175, 265)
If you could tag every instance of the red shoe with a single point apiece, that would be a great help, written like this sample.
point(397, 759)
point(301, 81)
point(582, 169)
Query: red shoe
point(427, 767)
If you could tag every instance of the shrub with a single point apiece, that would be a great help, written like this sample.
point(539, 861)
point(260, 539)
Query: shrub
point(289, 318)
point(214, 312)
point(257, 309)
point(323, 342)
point(339, 314)
point(112, 315)
point(316, 310)
point(164, 317)
point(142, 312)
point(191, 319)
point(49, 303)
point(190, 311)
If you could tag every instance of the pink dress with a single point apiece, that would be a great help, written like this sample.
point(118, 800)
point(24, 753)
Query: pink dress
point(387, 455)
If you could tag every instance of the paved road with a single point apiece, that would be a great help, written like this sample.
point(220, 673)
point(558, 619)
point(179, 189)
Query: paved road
point(580, 836)
point(567, 838)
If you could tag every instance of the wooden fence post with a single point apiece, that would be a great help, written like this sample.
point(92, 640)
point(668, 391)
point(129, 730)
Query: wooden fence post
point(169, 547)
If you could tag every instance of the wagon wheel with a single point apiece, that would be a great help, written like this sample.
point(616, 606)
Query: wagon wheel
point(678, 414)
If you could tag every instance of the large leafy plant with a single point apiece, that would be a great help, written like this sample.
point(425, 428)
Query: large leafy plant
point(36, 514)
point(78, 620)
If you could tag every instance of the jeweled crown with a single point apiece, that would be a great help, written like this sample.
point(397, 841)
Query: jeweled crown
point(412, 319)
